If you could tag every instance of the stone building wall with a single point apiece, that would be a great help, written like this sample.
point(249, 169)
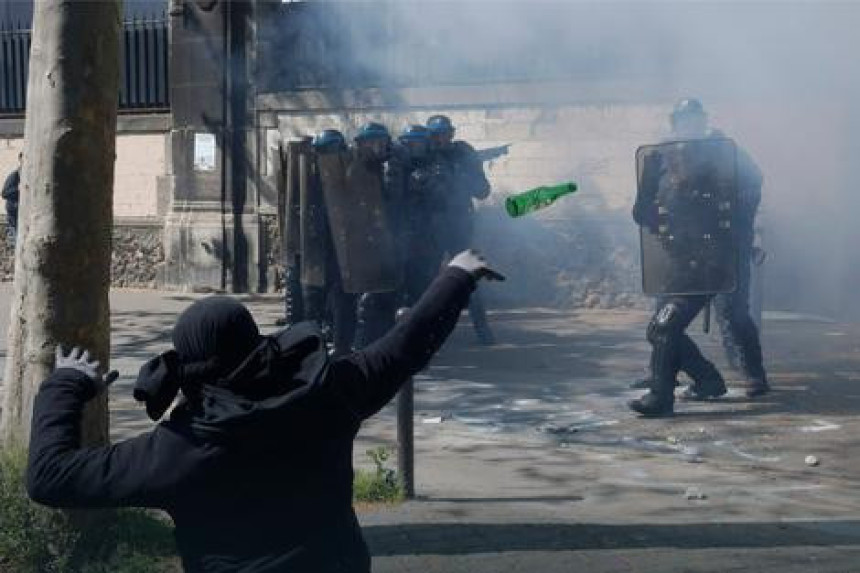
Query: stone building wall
point(138, 204)
point(138, 253)
point(136, 261)
point(140, 162)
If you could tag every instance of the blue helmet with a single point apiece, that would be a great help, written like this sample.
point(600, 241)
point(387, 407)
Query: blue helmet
point(414, 132)
point(440, 124)
point(372, 130)
point(329, 140)
point(688, 107)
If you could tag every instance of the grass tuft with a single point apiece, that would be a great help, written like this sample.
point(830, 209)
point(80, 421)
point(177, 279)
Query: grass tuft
point(380, 485)
point(36, 539)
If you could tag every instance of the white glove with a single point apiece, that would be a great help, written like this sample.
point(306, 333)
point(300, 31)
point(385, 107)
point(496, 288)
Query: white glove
point(79, 359)
point(476, 265)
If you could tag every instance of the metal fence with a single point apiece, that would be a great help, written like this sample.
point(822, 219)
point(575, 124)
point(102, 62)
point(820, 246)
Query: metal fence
point(14, 64)
point(143, 67)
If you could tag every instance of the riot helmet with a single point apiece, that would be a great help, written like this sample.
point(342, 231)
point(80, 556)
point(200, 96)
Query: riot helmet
point(329, 141)
point(688, 119)
point(373, 141)
point(416, 139)
point(441, 130)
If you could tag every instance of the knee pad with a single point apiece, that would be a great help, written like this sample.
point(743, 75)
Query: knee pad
point(664, 324)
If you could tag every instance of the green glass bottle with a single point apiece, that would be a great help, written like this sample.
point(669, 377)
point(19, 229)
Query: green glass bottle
point(538, 198)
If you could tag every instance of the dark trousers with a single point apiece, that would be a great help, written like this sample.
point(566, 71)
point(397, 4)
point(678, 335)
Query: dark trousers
point(672, 349)
point(376, 314)
point(320, 302)
point(459, 239)
point(11, 224)
point(293, 296)
point(421, 269)
point(738, 329)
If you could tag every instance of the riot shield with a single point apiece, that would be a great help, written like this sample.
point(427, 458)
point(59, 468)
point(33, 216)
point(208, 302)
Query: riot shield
point(290, 215)
point(360, 230)
point(289, 225)
point(689, 193)
point(314, 229)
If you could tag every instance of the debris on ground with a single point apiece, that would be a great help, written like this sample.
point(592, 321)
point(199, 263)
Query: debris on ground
point(694, 493)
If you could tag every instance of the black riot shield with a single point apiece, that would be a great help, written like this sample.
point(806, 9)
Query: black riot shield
point(315, 244)
point(688, 190)
point(359, 226)
point(289, 225)
point(288, 201)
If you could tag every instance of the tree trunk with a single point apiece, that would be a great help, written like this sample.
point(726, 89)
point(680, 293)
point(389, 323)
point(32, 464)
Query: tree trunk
point(62, 267)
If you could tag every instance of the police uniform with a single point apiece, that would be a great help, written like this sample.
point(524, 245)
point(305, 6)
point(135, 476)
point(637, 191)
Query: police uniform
point(672, 349)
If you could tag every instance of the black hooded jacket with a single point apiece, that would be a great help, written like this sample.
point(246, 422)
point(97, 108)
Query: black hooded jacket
point(257, 483)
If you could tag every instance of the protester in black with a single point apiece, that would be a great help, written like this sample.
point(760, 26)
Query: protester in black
point(255, 463)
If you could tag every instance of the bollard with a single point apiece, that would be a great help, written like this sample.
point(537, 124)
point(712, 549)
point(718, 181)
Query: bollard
point(406, 438)
point(405, 431)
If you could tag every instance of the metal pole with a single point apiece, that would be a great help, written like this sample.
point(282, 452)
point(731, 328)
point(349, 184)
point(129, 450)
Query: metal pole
point(406, 438)
point(406, 431)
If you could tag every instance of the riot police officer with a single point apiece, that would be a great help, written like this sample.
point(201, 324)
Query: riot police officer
point(372, 152)
point(458, 179)
point(739, 334)
point(672, 349)
point(408, 177)
point(326, 302)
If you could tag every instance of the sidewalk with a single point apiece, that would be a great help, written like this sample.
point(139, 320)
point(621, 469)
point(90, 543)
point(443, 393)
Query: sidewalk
point(538, 466)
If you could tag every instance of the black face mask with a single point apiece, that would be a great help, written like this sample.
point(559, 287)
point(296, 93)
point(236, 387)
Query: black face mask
point(418, 151)
point(375, 150)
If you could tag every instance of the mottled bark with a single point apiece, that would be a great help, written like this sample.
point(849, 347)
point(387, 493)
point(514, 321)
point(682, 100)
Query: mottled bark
point(62, 269)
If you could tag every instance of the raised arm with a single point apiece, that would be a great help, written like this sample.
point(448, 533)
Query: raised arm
point(367, 380)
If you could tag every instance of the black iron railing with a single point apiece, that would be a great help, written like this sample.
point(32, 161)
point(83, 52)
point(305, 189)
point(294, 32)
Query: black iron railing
point(143, 67)
point(14, 64)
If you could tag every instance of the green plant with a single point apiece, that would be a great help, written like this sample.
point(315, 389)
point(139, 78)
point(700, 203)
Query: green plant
point(380, 485)
point(36, 539)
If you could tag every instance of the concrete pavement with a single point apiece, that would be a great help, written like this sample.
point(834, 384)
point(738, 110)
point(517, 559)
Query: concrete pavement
point(537, 465)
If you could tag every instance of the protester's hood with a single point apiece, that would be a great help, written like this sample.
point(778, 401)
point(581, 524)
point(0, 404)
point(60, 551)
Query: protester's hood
point(232, 377)
point(277, 387)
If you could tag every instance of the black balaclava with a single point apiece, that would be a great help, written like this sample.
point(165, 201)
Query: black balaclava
point(218, 328)
point(217, 342)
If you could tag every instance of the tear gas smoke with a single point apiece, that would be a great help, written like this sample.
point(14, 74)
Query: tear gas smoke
point(778, 77)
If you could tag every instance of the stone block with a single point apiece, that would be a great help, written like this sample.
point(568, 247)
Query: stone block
point(510, 131)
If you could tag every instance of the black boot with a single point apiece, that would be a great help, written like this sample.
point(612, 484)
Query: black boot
point(645, 384)
point(653, 405)
point(757, 387)
point(699, 391)
point(707, 380)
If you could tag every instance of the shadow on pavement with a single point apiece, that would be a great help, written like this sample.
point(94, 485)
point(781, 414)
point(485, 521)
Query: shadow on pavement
point(469, 538)
point(479, 500)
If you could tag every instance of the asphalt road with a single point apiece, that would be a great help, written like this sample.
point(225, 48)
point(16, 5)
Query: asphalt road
point(528, 460)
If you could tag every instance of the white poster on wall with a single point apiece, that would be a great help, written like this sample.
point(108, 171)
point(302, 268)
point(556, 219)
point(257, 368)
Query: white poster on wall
point(204, 152)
